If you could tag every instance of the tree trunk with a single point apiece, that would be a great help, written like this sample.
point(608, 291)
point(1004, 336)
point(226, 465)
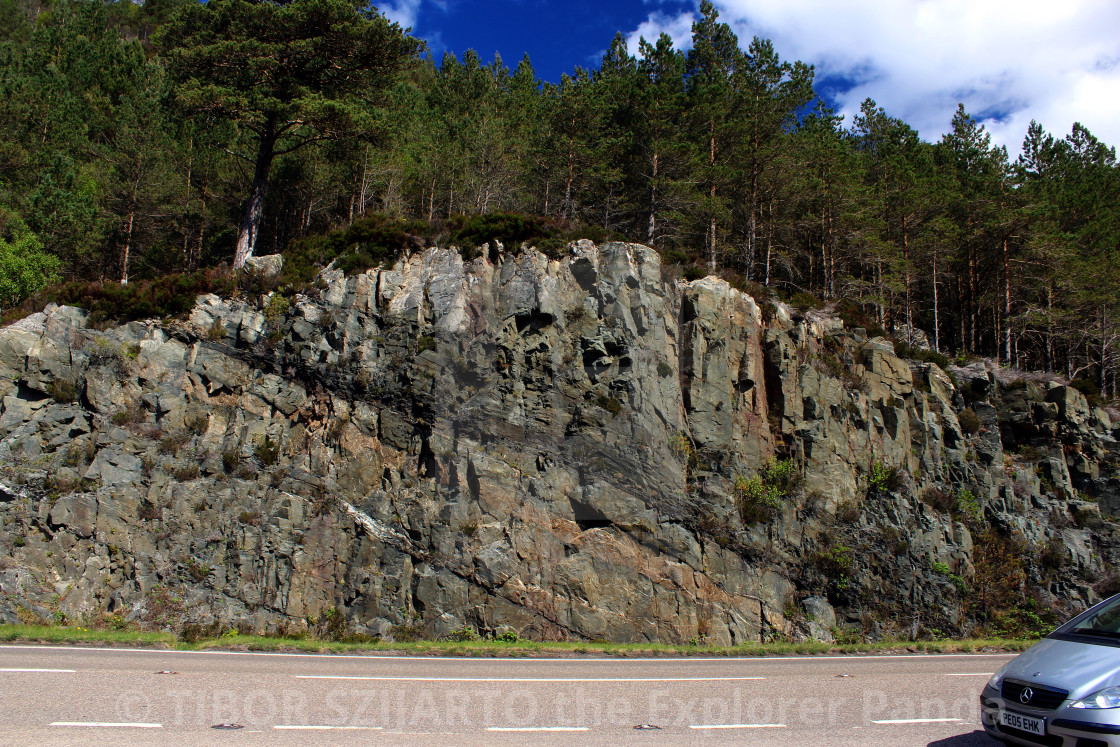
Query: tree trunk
point(651, 231)
point(973, 300)
point(187, 202)
point(770, 243)
point(752, 222)
point(566, 212)
point(250, 224)
point(712, 193)
point(127, 246)
point(1006, 303)
point(936, 308)
point(131, 222)
point(906, 262)
point(1104, 349)
point(1050, 327)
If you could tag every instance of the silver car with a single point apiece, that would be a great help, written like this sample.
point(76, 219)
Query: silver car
point(1063, 691)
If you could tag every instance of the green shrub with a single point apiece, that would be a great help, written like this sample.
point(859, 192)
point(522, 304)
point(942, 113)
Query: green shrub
point(883, 478)
point(409, 632)
point(172, 444)
point(664, 369)
point(61, 390)
point(848, 511)
point(939, 500)
point(425, 343)
point(149, 512)
point(696, 273)
point(267, 451)
point(854, 314)
point(186, 472)
point(250, 518)
point(197, 423)
point(471, 232)
point(836, 562)
point(760, 497)
point(926, 356)
point(611, 404)
point(230, 460)
point(968, 508)
point(970, 421)
point(168, 295)
point(216, 331)
point(1053, 555)
point(804, 301)
point(370, 241)
point(757, 501)
point(1091, 391)
point(462, 635)
point(330, 625)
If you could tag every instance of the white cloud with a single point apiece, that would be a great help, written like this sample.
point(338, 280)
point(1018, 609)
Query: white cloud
point(403, 12)
point(1008, 61)
point(679, 27)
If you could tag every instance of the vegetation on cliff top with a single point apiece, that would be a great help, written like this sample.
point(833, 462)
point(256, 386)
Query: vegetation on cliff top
point(139, 140)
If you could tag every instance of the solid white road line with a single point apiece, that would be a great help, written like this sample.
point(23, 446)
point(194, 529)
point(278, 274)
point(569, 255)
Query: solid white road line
point(537, 728)
point(14, 669)
point(970, 674)
point(738, 726)
point(324, 727)
point(107, 725)
point(918, 721)
point(529, 660)
point(521, 679)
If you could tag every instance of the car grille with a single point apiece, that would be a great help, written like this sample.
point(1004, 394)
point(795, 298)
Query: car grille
point(1042, 698)
point(1050, 740)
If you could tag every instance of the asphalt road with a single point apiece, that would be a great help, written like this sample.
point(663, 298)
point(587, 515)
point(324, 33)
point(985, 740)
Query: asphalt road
point(73, 696)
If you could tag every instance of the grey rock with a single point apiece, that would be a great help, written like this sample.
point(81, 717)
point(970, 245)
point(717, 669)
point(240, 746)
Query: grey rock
point(552, 446)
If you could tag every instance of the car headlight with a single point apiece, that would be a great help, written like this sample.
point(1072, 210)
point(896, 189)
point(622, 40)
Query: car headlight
point(1106, 698)
point(997, 679)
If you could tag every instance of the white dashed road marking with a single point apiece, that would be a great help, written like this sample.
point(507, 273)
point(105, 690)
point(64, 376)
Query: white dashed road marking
point(523, 679)
point(324, 727)
point(107, 725)
point(13, 669)
point(738, 726)
point(536, 728)
point(919, 721)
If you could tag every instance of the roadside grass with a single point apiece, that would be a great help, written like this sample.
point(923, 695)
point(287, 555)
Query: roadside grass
point(482, 648)
point(51, 634)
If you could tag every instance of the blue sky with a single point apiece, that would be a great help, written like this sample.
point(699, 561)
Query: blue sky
point(1008, 61)
point(556, 35)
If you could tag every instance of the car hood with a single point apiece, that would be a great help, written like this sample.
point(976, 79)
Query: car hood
point(1080, 668)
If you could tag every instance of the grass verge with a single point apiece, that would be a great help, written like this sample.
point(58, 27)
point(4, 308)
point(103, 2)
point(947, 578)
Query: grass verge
point(77, 635)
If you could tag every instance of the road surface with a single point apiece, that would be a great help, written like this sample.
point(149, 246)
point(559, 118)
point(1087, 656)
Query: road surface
point(72, 696)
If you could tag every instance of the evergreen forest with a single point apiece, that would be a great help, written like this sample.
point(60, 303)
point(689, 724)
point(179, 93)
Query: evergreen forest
point(151, 147)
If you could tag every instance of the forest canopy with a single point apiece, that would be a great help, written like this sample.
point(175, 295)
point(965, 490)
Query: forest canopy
point(143, 140)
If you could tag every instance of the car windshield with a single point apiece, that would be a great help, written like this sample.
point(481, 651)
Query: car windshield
point(1104, 621)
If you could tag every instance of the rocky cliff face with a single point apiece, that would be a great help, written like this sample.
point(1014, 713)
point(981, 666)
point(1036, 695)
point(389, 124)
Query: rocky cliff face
point(575, 449)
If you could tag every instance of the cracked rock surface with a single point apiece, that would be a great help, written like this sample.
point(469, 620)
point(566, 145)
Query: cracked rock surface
point(543, 446)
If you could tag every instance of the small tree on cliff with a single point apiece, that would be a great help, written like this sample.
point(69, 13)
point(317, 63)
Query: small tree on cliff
point(290, 73)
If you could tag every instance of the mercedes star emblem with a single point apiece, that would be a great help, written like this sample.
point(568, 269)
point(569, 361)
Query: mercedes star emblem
point(1026, 695)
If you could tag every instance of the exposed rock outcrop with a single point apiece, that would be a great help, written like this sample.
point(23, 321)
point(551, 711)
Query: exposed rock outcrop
point(548, 446)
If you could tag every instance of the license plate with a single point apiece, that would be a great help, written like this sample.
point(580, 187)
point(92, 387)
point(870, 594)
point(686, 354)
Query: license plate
point(1029, 724)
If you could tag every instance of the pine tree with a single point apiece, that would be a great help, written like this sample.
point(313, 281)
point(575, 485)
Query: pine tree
point(291, 74)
